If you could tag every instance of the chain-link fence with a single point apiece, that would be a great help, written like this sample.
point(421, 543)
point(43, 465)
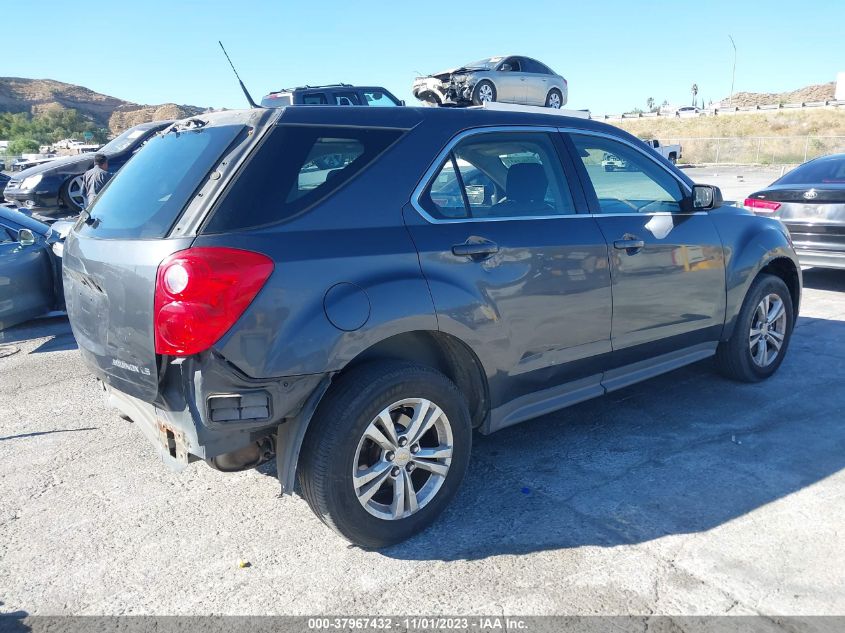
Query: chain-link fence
point(763, 150)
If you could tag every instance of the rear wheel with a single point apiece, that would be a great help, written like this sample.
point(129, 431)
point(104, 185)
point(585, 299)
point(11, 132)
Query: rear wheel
point(72, 194)
point(554, 99)
point(483, 92)
point(385, 453)
point(673, 159)
point(761, 334)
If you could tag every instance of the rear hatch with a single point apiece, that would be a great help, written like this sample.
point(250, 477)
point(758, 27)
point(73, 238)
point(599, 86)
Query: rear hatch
point(813, 213)
point(148, 211)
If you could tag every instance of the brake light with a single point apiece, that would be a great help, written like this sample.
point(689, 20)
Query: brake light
point(201, 292)
point(762, 206)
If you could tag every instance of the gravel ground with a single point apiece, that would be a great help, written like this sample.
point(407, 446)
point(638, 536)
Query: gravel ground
point(687, 494)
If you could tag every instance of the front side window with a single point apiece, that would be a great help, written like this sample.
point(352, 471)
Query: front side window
point(499, 175)
point(296, 167)
point(625, 180)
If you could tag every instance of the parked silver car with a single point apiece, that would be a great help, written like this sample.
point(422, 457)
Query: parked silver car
point(512, 79)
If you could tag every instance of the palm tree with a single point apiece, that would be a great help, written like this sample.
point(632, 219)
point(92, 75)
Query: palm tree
point(650, 103)
point(694, 92)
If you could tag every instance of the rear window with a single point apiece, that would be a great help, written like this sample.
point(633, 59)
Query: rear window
point(294, 168)
point(824, 171)
point(275, 101)
point(148, 194)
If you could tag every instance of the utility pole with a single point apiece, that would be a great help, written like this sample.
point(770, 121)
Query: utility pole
point(733, 73)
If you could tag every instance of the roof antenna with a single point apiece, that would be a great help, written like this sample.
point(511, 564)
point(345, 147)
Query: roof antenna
point(243, 87)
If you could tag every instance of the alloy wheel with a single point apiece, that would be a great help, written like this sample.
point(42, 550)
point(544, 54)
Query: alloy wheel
point(75, 193)
point(768, 330)
point(402, 458)
point(554, 100)
point(485, 92)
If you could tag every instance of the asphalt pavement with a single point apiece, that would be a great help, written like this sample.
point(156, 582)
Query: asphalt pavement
point(687, 494)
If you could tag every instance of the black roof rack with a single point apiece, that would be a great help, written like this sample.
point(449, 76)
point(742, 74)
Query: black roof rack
point(306, 87)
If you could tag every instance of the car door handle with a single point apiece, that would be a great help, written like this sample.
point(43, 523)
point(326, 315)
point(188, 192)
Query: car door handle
point(475, 250)
point(629, 244)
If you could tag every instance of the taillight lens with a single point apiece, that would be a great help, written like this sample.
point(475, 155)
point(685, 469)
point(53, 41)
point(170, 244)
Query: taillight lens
point(201, 292)
point(762, 206)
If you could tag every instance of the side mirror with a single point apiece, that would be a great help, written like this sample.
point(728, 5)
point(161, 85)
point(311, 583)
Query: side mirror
point(26, 237)
point(506, 68)
point(706, 197)
point(402, 102)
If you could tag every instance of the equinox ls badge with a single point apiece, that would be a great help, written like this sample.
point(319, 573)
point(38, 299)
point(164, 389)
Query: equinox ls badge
point(129, 367)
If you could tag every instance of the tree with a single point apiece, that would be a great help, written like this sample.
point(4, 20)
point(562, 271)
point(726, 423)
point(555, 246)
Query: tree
point(650, 104)
point(694, 91)
point(22, 146)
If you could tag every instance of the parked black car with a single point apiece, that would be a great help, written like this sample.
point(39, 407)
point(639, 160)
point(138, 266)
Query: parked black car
point(30, 268)
point(335, 94)
point(54, 189)
point(810, 200)
point(461, 269)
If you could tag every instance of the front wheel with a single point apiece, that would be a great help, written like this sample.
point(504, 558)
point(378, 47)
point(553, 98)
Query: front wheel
point(554, 99)
point(72, 194)
point(761, 334)
point(385, 453)
point(483, 92)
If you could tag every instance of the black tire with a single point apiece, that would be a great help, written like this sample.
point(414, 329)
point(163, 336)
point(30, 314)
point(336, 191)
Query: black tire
point(673, 159)
point(733, 357)
point(554, 91)
point(328, 455)
point(476, 98)
point(66, 198)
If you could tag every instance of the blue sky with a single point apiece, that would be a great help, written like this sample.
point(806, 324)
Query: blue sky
point(615, 54)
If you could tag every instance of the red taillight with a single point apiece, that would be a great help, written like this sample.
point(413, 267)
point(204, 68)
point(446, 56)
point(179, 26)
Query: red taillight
point(762, 206)
point(201, 292)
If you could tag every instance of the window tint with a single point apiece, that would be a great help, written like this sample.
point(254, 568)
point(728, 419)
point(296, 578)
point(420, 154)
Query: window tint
point(314, 98)
point(294, 168)
point(625, 180)
point(500, 175)
point(532, 66)
point(146, 196)
point(378, 98)
point(346, 98)
point(825, 170)
point(7, 235)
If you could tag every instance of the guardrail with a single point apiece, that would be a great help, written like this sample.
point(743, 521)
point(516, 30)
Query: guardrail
point(729, 111)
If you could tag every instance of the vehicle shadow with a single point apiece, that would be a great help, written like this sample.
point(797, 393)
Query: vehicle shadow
point(682, 453)
point(39, 433)
point(13, 621)
point(58, 328)
point(824, 279)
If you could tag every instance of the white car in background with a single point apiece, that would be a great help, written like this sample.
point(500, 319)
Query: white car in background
point(689, 111)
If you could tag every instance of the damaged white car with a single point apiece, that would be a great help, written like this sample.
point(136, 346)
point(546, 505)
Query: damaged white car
point(511, 79)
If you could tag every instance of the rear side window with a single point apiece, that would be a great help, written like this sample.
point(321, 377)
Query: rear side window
point(500, 175)
point(148, 194)
point(346, 98)
point(294, 168)
point(315, 98)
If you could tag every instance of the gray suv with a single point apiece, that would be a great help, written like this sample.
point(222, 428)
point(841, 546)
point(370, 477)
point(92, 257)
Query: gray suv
point(458, 270)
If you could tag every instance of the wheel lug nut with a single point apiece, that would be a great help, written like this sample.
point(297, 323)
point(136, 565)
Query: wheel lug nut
point(403, 441)
point(410, 467)
point(395, 471)
point(389, 456)
point(415, 449)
